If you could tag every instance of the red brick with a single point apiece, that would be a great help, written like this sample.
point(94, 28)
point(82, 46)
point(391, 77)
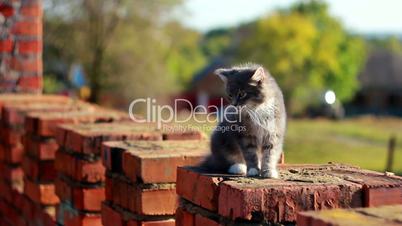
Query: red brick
point(46, 124)
point(71, 217)
point(378, 189)
point(109, 189)
point(6, 190)
point(123, 194)
point(6, 10)
point(152, 201)
point(6, 45)
point(82, 198)
point(88, 138)
point(32, 10)
point(203, 221)
point(41, 149)
point(28, 99)
point(27, 208)
point(30, 64)
point(27, 27)
point(29, 47)
point(386, 215)
point(184, 218)
point(168, 222)
point(80, 169)
point(13, 115)
point(112, 159)
point(374, 197)
point(13, 215)
point(242, 201)
point(41, 193)
point(11, 154)
point(111, 217)
point(30, 82)
point(44, 215)
point(39, 170)
point(139, 162)
point(11, 173)
point(47, 219)
point(302, 187)
point(10, 136)
point(200, 189)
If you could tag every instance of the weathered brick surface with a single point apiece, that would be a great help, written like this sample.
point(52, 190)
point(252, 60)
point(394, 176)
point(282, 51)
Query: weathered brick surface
point(40, 193)
point(112, 215)
point(386, 215)
point(29, 98)
point(11, 154)
point(21, 37)
point(202, 190)
point(382, 196)
point(11, 173)
point(184, 218)
point(302, 187)
point(201, 221)
point(10, 137)
point(87, 138)
point(68, 216)
point(143, 199)
point(191, 215)
point(378, 189)
point(80, 169)
point(81, 197)
point(46, 123)
point(40, 148)
point(13, 115)
point(39, 170)
point(154, 161)
point(287, 198)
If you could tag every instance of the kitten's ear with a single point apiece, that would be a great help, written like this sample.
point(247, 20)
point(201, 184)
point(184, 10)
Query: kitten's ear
point(223, 74)
point(259, 75)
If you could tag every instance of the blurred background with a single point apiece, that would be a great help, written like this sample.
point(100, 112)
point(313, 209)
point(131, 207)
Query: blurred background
point(339, 63)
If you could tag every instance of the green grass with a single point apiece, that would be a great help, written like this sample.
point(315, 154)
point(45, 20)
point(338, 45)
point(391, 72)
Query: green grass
point(360, 141)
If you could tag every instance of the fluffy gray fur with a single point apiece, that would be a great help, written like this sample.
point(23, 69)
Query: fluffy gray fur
point(261, 112)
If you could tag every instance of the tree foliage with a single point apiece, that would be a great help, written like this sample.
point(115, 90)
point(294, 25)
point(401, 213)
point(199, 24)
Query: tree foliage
point(307, 51)
point(134, 47)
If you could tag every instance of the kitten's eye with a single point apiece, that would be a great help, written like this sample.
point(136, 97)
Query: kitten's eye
point(242, 94)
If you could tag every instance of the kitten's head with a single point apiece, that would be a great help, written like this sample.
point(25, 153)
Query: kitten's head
point(244, 84)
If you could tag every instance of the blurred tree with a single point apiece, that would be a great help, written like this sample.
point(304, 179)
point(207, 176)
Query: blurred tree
point(124, 45)
point(216, 42)
point(307, 51)
point(51, 84)
point(390, 43)
point(183, 55)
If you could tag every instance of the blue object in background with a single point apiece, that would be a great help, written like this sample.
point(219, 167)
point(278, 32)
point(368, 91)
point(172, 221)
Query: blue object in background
point(77, 76)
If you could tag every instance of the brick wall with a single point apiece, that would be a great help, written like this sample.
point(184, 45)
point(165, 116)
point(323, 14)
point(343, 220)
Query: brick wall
point(21, 46)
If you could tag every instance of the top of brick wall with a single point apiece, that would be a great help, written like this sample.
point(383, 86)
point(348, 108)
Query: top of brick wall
point(300, 188)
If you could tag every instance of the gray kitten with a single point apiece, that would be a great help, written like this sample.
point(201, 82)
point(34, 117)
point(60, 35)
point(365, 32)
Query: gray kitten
point(257, 121)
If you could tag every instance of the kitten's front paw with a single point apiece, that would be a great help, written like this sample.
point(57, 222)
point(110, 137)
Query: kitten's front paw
point(253, 172)
point(238, 169)
point(270, 174)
